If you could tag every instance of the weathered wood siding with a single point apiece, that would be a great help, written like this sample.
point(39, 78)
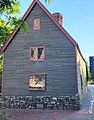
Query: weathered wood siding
point(81, 71)
point(60, 63)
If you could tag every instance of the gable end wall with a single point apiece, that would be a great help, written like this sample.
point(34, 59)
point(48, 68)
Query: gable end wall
point(81, 71)
point(60, 63)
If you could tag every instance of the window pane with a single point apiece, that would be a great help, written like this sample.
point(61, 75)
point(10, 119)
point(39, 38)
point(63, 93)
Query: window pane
point(37, 53)
point(37, 82)
point(34, 53)
point(41, 53)
point(36, 24)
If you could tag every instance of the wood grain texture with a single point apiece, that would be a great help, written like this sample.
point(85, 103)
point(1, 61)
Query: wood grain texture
point(59, 65)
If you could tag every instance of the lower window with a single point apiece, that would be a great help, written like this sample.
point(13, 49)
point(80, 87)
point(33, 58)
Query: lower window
point(37, 82)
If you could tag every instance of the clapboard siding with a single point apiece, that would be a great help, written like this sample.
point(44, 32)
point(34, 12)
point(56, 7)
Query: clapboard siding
point(81, 70)
point(59, 65)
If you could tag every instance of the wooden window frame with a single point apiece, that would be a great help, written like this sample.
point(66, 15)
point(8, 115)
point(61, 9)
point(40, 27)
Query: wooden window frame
point(32, 59)
point(81, 81)
point(35, 28)
point(37, 88)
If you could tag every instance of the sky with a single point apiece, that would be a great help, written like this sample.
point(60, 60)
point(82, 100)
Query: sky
point(78, 20)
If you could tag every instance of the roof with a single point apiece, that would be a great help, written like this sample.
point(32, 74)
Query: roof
point(50, 16)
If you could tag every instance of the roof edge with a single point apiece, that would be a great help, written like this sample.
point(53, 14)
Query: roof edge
point(80, 53)
point(51, 17)
point(57, 23)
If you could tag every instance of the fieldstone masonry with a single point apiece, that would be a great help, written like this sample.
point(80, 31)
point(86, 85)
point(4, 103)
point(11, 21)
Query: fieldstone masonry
point(40, 102)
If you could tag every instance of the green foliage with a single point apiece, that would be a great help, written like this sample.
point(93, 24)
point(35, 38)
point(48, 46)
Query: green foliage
point(49, 1)
point(9, 6)
point(5, 31)
point(89, 76)
point(23, 25)
point(7, 22)
point(9, 11)
point(88, 72)
point(90, 82)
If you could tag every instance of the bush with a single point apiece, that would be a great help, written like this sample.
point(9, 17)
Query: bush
point(90, 82)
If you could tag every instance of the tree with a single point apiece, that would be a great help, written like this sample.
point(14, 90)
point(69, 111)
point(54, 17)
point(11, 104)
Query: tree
point(89, 76)
point(49, 1)
point(9, 11)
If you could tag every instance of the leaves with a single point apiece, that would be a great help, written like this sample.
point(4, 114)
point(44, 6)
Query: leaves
point(23, 25)
point(8, 6)
point(9, 9)
point(89, 76)
point(5, 31)
point(49, 1)
point(9, 20)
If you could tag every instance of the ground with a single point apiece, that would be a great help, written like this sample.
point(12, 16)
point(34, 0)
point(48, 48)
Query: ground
point(86, 112)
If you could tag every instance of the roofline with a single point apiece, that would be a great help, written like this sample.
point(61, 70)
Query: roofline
point(51, 17)
point(81, 53)
point(57, 23)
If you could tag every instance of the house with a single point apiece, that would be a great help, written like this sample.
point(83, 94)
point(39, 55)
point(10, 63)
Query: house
point(45, 61)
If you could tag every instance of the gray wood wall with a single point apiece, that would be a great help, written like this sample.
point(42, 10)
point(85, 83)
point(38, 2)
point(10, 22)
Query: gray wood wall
point(60, 63)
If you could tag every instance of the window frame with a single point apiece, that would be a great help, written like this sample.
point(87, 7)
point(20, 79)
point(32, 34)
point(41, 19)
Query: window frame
point(36, 47)
point(81, 77)
point(34, 28)
point(36, 89)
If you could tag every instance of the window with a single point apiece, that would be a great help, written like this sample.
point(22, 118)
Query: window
point(36, 24)
point(37, 82)
point(37, 53)
point(81, 82)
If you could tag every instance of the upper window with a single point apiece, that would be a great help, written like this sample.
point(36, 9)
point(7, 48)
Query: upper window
point(36, 24)
point(37, 53)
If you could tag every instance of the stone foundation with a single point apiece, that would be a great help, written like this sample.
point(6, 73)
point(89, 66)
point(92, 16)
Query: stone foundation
point(41, 102)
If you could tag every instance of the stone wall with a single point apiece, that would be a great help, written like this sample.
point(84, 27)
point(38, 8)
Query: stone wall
point(40, 102)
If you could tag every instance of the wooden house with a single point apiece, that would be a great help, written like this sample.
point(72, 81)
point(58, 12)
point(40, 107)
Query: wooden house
point(45, 61)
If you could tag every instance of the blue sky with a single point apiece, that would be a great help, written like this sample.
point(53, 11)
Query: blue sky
point(78, 20)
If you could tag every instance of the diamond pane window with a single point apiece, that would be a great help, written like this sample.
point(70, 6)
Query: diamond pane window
point(36, 24)
point(33, 53)
point(37, 82)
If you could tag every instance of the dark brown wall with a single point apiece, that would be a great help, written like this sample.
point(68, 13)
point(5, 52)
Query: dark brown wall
point(59, 64)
